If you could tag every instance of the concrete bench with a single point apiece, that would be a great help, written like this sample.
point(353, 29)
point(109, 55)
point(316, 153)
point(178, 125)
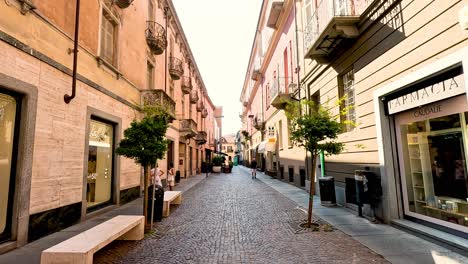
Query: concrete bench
point(171, 197)
point(80, 248)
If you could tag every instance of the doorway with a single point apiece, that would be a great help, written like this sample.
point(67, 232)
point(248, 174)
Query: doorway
point(100, 175)
point(191, 161)
point(9, 129)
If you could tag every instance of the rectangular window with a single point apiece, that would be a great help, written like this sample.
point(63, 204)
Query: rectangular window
point(150, 10)
point(8, 127)
point(100, 163)
point(149, 76)
point(108, 39)
point(290, 144)
point(435, 168)
point(286, 70)
point(346, 91)
point(316, 99)
point(280, 134)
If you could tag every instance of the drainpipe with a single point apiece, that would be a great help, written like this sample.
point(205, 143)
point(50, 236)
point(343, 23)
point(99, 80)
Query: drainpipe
point(67, 98)
point(165, 57)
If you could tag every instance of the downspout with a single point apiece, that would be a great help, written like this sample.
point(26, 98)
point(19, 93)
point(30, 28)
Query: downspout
point(165, 57)
point(67, 98)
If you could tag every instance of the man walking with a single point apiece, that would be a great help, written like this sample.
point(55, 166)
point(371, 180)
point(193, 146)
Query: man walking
point(253, 165)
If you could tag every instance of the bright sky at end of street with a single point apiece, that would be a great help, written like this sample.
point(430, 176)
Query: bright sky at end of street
point(220, 34)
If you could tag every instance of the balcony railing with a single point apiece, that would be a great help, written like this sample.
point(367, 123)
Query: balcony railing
point(281, 90)
point(159, 98)
point(200, 138)
point(188, 128)
point(186, 84)
point(176, 68)
point(257, 66)
point(258, 122)
point(331, 23)
point(200, 106)
point(204, 113)
point(123, 3)
point(155, 37)
point(193, 97)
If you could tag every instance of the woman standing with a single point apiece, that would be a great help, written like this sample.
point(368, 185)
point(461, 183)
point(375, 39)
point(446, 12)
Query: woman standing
point(171, 176)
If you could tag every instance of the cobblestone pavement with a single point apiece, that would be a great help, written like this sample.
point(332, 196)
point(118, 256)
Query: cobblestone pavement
point(229, 218)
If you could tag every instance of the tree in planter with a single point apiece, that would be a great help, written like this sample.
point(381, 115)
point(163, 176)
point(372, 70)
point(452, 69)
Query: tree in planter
point(144, 141)
point(317, 133)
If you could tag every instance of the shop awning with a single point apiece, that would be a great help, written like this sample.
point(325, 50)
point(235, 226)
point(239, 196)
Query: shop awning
point(266, 146)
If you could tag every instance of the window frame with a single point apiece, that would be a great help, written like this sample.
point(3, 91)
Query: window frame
point(107, 14)
point(344, 90)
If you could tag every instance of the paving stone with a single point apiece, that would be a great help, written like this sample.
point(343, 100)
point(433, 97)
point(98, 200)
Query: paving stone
point(230, 218)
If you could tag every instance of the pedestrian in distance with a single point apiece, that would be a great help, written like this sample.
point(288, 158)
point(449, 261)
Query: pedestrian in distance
point(171, 176)
point(253, 165)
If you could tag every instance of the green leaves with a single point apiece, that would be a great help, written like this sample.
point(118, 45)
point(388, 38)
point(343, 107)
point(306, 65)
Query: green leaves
point(316, 131)
point(144, 141)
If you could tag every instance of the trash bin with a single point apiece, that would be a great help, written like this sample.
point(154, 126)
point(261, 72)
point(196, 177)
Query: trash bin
point(361, 189)
point(157, 204)
point(327, 191)
point(177, 176)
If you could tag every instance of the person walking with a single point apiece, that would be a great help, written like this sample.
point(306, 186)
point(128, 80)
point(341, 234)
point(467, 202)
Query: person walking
point(171, 176)
point(253, 165)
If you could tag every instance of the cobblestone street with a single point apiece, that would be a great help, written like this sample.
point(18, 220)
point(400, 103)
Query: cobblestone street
point(229, 218)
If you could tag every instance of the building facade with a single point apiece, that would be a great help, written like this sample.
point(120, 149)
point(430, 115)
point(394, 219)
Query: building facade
point(57, 159)
point(400, 67)
point(272, 78)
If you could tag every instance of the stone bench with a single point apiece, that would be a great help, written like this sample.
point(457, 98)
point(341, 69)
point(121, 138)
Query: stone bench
point(171, 197)
point(80, 248)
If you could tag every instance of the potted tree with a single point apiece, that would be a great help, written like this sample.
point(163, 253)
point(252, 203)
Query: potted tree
point(217, 163)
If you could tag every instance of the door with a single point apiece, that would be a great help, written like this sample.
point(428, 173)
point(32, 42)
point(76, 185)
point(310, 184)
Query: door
point(191, 161)
point(100, 164)
point(9, 118)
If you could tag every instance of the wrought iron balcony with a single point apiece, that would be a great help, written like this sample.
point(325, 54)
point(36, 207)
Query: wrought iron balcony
point(204, 113)
point(331, 23)
point(123, 3)
point(258, 122)
point(176, 68)
point(188, 128)
point(200, 138)
point(193, 97)
point(155, 37)
point(200, 106)
point(281, 91)
point(186, 84)
point(274, 15)
point(159, 98)
point(256, 72)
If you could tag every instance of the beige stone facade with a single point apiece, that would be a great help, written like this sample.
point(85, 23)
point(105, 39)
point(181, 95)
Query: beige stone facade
point(368, 52)
point(36, 66)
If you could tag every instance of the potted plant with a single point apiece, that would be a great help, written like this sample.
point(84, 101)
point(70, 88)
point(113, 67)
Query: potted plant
point(217, 163)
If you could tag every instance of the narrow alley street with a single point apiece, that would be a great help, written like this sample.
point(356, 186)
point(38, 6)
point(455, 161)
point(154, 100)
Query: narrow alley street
point(230, 218)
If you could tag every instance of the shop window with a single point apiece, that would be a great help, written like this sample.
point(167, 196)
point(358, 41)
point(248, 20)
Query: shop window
point(100, 164)
point(347, 107)
point(8, 126)
point(434, 154)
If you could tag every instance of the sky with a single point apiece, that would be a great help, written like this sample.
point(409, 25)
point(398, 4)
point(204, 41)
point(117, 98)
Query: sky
point(220, 34)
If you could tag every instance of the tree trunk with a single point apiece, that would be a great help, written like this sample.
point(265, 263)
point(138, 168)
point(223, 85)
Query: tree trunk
point(312, 190)
point(147, 172)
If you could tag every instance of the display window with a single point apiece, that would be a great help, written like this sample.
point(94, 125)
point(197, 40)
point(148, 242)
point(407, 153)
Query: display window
point(9, 108)
point(432, 148)
point(100, 164)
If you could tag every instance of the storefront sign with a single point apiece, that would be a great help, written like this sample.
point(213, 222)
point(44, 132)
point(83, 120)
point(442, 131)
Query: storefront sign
point(436, 92)
point(425, 111)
